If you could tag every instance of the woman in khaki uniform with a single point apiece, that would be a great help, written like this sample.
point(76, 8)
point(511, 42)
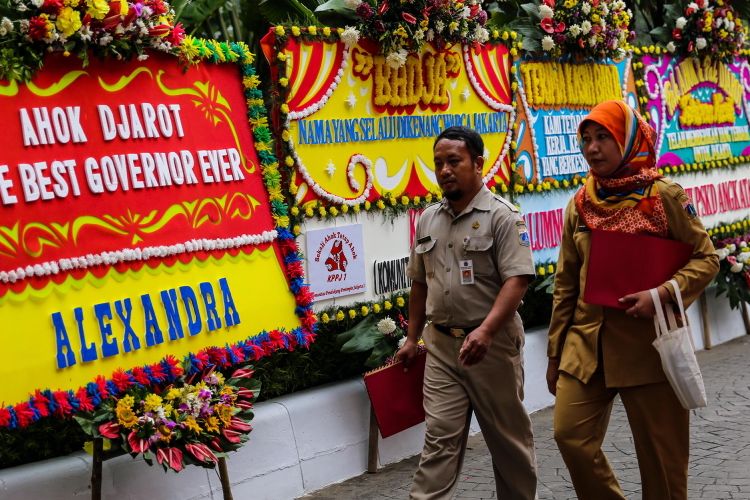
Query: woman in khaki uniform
point(597, 352)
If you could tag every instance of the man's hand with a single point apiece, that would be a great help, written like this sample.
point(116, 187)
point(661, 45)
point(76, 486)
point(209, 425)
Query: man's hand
point(407, 353)
point(641, 305)
point(553, 373)
point(475, 347)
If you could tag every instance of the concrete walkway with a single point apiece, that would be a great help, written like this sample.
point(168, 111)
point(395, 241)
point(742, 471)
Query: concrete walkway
point(720, 447)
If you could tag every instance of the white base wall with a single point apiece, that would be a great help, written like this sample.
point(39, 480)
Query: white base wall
point(300, 443)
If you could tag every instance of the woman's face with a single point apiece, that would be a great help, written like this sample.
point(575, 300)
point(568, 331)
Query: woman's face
point(600, 149)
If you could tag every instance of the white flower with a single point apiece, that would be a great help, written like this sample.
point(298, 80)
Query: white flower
point(586, 8)
point(743, 244)
point(744, 257)
point(481, 34)
point(693, 5)
point(575, 30)
point(548, 43)
point(593, 41)
point(386, 326)
point(352, 4)
point(350, 36)
point(737, 267)
point(397, 58)
point(700, 43)
point(731, 247)
point(722, 253)
point(585, 27)
point(671, 47)
point(418, 35)
point(430, 36)
point(37, 3)
point(680, 23)
point(439, 26)
point(545, 11)
point(465, 12)
point(604, 9)
point(6, 26)
point(401, 342)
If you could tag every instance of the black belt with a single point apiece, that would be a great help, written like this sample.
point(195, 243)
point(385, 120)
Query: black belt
point(453, 331)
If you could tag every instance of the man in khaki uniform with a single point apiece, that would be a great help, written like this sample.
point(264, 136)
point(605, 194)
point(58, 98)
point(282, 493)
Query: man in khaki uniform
point(470, 268)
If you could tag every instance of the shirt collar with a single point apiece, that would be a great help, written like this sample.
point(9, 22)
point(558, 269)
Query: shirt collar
point(481, 201)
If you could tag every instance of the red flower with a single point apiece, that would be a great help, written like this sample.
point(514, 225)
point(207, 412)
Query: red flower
point(295, 269)
point(4, 417)
point(305, 297)
point(547, 25)
point(52, 6)
point(690, 46)
point(160, 30)
point(244, 405)
point(84, 400)
point(158, 7)
point(64, 408)
point(38, 28)
point(560, 27)
point(201, 452)
point(242, 373)
point(174, 365)
point(232, 436)
point(121, 380)
point(408, 18)
point(24, 414)
point(239, 425)
point(172, 456)
point(158, 373)
point(140, 376)
point(41, 403)
point(550, 3)
point(747, 278)
point(215, 444)
point(177, 34)
point(110, 430)
point(689, 11)
point(677, 34)
point(137, 445)
point(383, 7)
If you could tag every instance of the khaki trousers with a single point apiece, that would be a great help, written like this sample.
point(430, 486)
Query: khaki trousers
point(493, 389)
point(660, 428)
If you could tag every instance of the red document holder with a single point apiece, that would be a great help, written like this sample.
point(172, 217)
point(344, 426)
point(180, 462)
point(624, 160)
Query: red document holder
point(396, 395)
point(623, 263)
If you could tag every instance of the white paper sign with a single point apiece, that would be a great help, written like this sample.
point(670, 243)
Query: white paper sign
point(336, 261)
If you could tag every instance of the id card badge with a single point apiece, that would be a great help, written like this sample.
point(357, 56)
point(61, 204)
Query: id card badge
point(467, 271)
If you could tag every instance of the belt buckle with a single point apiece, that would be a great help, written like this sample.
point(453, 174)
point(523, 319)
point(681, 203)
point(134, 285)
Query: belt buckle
point(457, 332)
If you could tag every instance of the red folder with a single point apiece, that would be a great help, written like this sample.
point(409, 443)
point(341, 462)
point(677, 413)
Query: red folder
point(623, 263)
point(396, 395)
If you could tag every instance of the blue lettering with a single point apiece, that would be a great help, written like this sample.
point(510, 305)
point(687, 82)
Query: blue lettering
point(65, 356)
point(130, 341)
point(191, 310)
point(169, 299)
point(209, 300)
point(87, 353)
point(231, 315)
point(153, 332)
point(103, 314)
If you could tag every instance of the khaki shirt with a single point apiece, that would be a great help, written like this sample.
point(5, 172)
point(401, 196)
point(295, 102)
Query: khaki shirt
point(491, 234)
point(577, 329)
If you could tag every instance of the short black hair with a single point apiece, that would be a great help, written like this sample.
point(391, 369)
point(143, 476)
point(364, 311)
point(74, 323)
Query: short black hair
point(468, 136)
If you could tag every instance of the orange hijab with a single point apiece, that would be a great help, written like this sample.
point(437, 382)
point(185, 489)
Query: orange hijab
point(628, 201)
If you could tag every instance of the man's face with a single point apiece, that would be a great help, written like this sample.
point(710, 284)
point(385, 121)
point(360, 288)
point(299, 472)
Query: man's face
point(600, 149)
point(458, 175)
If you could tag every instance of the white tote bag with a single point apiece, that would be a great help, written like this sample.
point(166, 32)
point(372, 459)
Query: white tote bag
point(677, 352)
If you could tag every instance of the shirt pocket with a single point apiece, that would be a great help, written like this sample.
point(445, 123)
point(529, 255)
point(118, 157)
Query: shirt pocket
point(425, 251)
point(479, 250)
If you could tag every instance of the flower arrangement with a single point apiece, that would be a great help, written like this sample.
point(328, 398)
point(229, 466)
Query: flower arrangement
point(588, 29)
point(189, 422)
point(382, 338)
point(115, 28)
point(732, 242)
point(402, 27)
point(708, 28)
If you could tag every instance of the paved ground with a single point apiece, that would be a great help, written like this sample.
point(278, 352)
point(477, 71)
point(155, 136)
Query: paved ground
point(720, 448)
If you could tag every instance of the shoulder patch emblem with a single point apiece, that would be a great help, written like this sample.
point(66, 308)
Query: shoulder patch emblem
point(523, 237)
point(690, 209)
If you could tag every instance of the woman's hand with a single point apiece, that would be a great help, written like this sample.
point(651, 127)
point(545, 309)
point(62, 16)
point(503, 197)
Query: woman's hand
point(641, 305)
point(553, 373)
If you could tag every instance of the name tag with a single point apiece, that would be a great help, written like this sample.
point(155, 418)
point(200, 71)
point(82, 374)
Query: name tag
point(467, 271)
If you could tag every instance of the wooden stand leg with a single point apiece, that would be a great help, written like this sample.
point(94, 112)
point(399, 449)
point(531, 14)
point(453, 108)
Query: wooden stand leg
point(746, 317)
point(96, 470)
point(372, 444)
point(226, 487)
point(704, 320)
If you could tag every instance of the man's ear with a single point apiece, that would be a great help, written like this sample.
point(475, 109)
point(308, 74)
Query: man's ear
point(479, 162)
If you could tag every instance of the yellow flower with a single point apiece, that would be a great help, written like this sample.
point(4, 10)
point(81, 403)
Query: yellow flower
point(295, 211)
point(417, 199)
point(68, 21)
point(296, 230)
point(322, 211)
point(309, 211)
point(569, 4)
point(505, 35)
point(364, 310)
point(387, 304)
point(344, 209)
point(212, 425)
point(285, 110)
point(164, 433)
point(400, 302)
point(224, 412)
point(352, 314)
point(428, 198)
point(540, 271)
point(356, 209)
point(98, 9)
point(376, 308)
point(367, 205)
point(324, 318)
point(295, 30)
point(289, 161)
point(173, 393)
point(285, 135)
point(379, 204)
point(279, 30)
point(504, 187)
point(283, 81)
point(404, 200)
point(333, 211)
point(513, 35)
point(152, 402)
point(312, 30)
point(124, 412)
point(340, 316)
point(550, 269)
point(327, 31)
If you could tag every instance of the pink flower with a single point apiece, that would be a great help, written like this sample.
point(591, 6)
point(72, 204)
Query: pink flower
point(547, 25)
point(237, 424)
point(408, 18)
point(242, 373)
point(232, 436)
point(201, 452)
point(137, 445)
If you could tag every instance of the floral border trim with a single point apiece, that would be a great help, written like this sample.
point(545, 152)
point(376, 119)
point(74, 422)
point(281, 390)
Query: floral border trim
point(65, 403)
